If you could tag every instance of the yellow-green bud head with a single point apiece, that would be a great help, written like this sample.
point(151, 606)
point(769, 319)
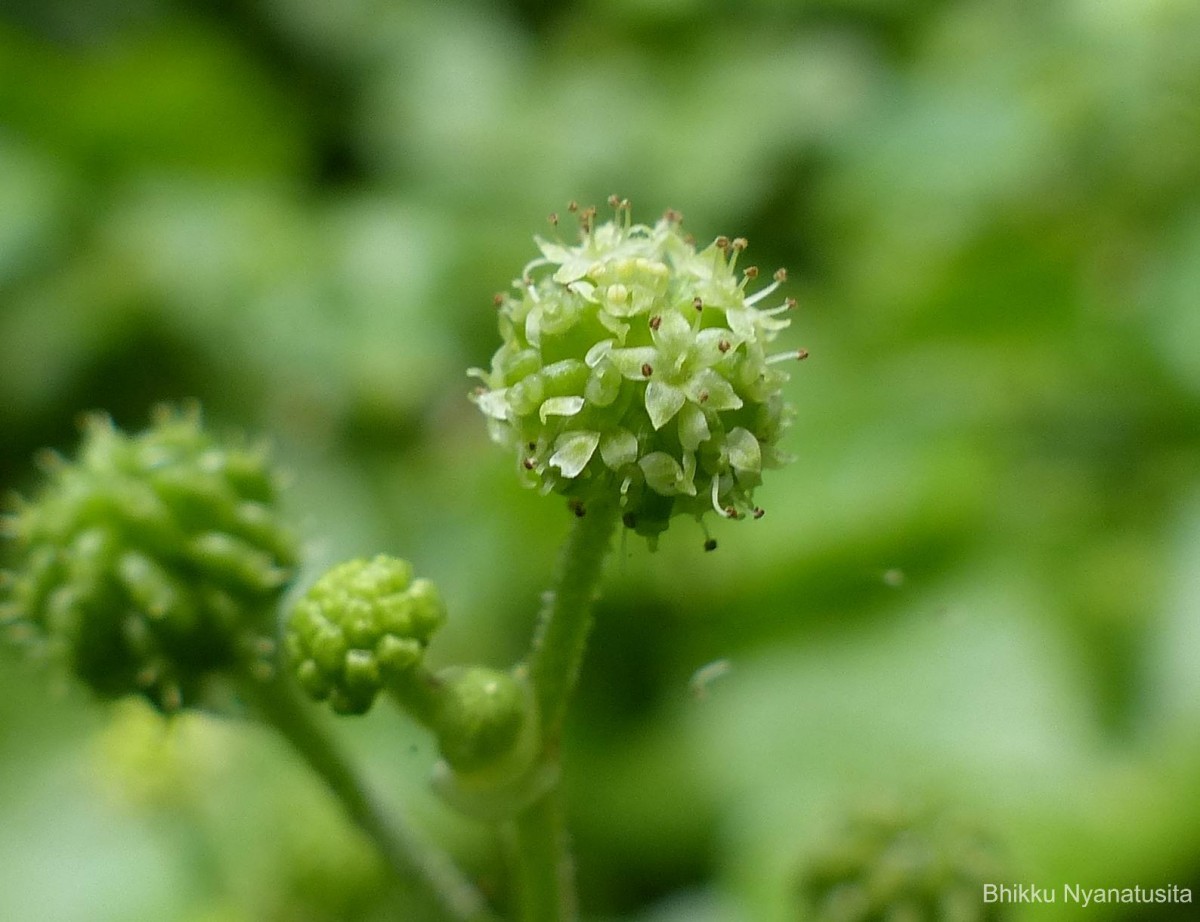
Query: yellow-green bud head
point(635, 366)
point(153, 561)
point(898, 864)
point(362, 625)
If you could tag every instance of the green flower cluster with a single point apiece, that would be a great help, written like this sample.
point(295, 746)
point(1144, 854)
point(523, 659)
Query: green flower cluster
point(897, 864)
point(634, 365)
point(152, 562)
point(362, 626)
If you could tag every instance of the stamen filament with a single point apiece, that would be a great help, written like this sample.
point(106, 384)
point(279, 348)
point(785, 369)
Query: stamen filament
point(761, 293)
point(792, 356)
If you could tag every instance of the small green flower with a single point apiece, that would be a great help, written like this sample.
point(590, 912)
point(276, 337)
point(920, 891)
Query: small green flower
point(362, 626)
point(634, 365)
point(154, 561)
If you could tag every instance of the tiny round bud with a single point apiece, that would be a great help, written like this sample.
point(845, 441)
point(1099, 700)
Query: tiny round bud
point(479, 716)
point(154, 562)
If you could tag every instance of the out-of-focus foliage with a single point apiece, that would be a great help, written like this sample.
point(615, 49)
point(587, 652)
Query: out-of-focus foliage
point(977, 586)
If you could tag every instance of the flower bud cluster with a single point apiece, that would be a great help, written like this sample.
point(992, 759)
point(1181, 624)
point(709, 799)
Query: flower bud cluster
point(153, 561)
point(897, 864)
point(634, 365)
point(363, 625)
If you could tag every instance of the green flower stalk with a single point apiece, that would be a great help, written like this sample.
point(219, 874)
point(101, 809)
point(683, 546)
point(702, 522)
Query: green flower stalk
point(635, 365)
point(153, 562)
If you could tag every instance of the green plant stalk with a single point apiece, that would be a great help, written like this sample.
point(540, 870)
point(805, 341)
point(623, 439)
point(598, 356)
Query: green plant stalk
point(544, 870)
point(415, 862)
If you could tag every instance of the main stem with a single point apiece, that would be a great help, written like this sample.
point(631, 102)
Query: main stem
point(544, 871)
point(412, 861)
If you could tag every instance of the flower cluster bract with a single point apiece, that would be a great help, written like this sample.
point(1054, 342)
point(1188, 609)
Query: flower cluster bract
point(635, 365)
point(153, 561)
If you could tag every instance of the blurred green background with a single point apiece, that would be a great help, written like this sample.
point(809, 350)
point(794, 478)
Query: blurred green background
point(977, 589)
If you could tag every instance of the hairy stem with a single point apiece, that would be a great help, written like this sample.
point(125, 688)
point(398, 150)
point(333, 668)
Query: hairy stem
point(566, 617)
point(544, 870)
point(415, 863)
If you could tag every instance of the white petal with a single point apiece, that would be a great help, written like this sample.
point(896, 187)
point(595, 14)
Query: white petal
point(585, 290)
point(619, 448)
point(687, 482)
point(555, 252)
point(711, 391)
point(573, 450)
point(744, 451)
point(630, 361)
point(560, 406)
point(673, 336)
point(533, 326)
point(597, 352)
point(617, 327)
point(743, 322)
point(663, 402)
point(493, 403)
point(708, 351)
point(693, 427)
point(663, 472)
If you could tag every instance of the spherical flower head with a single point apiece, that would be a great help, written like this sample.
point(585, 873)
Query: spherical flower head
point(154, 561)
point(899, 864)
point(362, 625)
point(636, 366)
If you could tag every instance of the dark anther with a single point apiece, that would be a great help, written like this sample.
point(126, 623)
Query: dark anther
point(498, 298)
point(740, 243)
point(528, 464)
point(801, 353)
point(655, 322)
point(577, 508)
point(723, 345)
point(533, 446)
point(671, 216)
point(781, 275)
point(572, 206)
point(751, 272)
point(629, 520)
point(722, 243)
point(710, 544)
point(697, 303)
point(647, 370)
point(759, 512)
point(703, 396)
point(553, 218)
